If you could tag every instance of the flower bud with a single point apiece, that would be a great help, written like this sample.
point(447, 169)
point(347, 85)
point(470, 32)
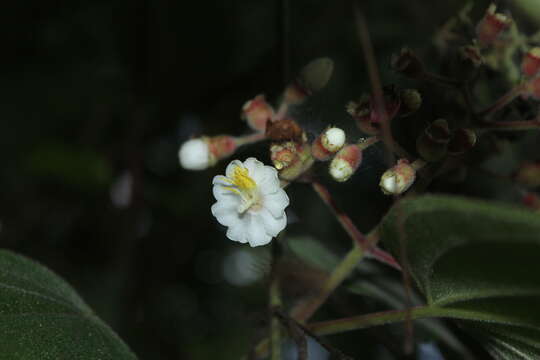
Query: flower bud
point(284, 155)
point(462, 141)
point(291, 159)
point(345, 163)
point(257, 112)
point(285, 129)
point(530, 65)
point(367, 116)
point(491, 26)
point(411, 100)
point(407, 63)
point(398, 179)
point(433, 143)
point(328, 143)
point(204, 152)
point(313, 77)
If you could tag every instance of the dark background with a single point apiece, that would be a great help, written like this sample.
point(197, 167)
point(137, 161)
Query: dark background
point(97, 97)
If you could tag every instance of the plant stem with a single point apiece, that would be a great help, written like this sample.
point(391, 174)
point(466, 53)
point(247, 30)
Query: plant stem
point(275, 332)
point(304, 310)
point(366, 243)
point(250, 139)
point(502, 101)
point(275, 304)
point(510, 125)
point(374, 319)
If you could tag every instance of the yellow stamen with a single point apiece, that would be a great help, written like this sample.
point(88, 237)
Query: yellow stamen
point(242, 180)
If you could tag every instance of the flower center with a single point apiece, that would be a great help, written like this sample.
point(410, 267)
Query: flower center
point(244, 186)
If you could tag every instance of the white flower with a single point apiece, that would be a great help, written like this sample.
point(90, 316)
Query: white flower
point(250, 202)
point(194, 154)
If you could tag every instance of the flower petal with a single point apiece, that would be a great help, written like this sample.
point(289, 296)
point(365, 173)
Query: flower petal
point(221, 193)
point(276, 203)
point(237, 232)
point(225, 212)
point(273, 226)
point(265, 176)
point(256, 233)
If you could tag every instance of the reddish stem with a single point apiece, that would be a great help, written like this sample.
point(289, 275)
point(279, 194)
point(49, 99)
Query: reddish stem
point(366, 243)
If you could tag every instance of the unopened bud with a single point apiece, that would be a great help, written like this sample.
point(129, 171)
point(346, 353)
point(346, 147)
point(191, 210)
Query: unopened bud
point(313, 77)
point(257, 113)
point(204, 152)
point(285, 129)
point(398, 179)
point(345, 163)
point(462, 141)
point(438, 131)
point(530, 65)
point(432, 144)
point(491, 26)
point(368, 117)
point(411, 100)
point(407, 63)
point(328, 143)
point(291, 159)
point(284, 155)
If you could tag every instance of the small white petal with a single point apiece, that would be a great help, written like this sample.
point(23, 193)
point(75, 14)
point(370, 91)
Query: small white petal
point(276, 203)
point(256, 233)
point(273, 226)
point(223, 194)
point(225, 213)
point(237, 233)
point(194, 155)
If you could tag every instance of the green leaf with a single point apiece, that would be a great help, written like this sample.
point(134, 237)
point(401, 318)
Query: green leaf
point(474, 261)
point(42, 317)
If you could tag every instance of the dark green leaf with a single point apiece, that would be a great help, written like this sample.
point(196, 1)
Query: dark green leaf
point(41, 317)
point(475, 261)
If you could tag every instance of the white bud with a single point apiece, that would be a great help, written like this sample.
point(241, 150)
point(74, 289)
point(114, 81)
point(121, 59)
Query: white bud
point(345, 163)
point(194, 154)
point(333, 139)
point(398, 179)
point(341, 170)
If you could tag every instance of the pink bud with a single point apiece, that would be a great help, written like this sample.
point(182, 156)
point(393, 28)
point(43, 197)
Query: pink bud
point(399, 178)
point(257, 113)
point(530, 65)
point(491, 26)
point(221, 146)
point(345, 163)
point(328, 143)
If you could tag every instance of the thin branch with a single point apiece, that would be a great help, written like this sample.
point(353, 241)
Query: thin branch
point(510, 125)
point(373, 72)
point(366, 243)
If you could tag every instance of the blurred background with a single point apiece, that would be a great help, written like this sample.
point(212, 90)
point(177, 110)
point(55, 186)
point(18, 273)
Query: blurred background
point(97, 97)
